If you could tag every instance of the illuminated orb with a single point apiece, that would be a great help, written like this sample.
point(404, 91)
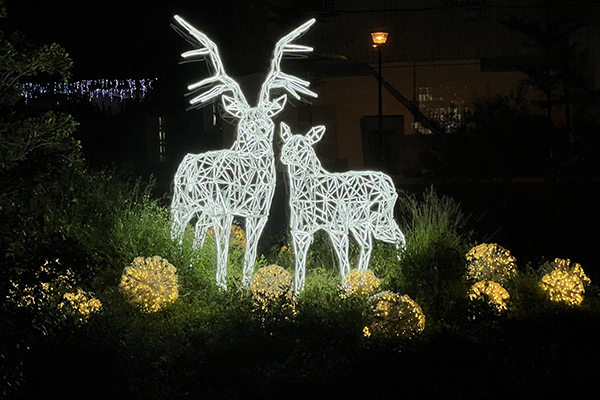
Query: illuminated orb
point(82, 303)
point(359, 283)
point(490, 262)
point(490, 292)
point(237, 239)
point(150, 283)
point(394, 314)
point(271, 286)
point(564, 283)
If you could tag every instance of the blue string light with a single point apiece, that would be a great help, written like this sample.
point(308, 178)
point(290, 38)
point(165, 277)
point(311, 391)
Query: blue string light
point(127, 89)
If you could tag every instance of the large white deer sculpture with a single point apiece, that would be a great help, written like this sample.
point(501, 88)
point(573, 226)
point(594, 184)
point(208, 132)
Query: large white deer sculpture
point(217, 185)
point(361, 202)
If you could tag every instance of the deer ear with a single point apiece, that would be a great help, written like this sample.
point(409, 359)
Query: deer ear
point(285, 132)
point(232, 106)
point(276, 106)
point(315, 134)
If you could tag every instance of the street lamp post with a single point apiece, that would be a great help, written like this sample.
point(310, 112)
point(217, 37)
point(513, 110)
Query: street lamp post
point(379, 39)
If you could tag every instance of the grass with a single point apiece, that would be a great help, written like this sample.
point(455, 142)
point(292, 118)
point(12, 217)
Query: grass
point(212, 344)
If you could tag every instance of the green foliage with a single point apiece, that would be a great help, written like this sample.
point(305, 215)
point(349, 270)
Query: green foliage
point(48, 136)
point(20, 59)
point(431, 268)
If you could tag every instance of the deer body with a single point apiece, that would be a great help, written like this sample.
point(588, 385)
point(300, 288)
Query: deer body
point(215, 186)
point(361, 203)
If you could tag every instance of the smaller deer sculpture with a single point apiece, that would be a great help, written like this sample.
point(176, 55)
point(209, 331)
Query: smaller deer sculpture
point(360, 202)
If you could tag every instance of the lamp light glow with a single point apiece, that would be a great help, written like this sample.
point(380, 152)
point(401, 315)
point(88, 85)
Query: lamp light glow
point(379, 38)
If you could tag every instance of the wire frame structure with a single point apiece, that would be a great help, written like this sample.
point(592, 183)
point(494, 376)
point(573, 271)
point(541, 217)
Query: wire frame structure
point(215, 186)
point(357, 202)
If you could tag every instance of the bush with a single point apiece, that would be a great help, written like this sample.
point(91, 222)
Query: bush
point(432, 266)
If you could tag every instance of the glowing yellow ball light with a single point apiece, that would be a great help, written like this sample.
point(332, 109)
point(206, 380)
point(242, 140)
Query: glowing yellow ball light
point(272, 286)
point(564, 283)
point(492, 293)
point(359, 283)
point(394, 314)
point(490, 262)
point(237, 238)
point(150, 283)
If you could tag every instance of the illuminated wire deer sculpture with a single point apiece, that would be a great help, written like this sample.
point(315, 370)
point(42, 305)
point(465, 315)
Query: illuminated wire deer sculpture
point(360, 202)
point(215, 186)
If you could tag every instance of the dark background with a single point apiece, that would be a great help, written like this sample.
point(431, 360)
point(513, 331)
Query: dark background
point(133, 39)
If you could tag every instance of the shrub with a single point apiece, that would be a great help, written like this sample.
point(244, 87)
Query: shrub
point(431, 269)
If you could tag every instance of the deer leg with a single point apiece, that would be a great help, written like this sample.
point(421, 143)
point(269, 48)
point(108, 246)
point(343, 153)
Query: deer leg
point(180, 221)
point(340, 245)
point(254, 228)
point(301, 241)
point(202, 226)
point(365, 242)
point(222, 227)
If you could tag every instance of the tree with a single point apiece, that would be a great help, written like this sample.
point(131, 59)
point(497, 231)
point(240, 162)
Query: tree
point(22, 135)
point(36, 146)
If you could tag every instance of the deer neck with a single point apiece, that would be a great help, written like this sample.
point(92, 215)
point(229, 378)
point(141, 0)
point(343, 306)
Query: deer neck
point(306, 172)
point(255, 134)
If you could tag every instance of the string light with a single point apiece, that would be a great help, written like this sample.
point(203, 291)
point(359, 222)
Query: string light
point(150, 283)
point(357, 202)
point(395, 315)
point(491, 293)
point(51, 283)
point(490, 262)
point(127, 89)
point(54, 285)
point(563, 283)
point(359, 283)
point(82, 303)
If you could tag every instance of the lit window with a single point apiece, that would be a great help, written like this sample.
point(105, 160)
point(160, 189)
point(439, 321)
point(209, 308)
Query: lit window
point(162, 139)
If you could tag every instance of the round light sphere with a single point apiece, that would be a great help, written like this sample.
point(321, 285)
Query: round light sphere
point(395, 315)
point(150, 283)
point(490, 262)
point(359, 283)
point(237, 237)
point(271, 285)
point(563, 282)
point(491, 293)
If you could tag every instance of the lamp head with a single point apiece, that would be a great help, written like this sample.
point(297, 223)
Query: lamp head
point(379, 38)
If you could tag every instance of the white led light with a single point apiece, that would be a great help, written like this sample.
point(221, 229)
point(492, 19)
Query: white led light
point(357, 202)
point(215, 186)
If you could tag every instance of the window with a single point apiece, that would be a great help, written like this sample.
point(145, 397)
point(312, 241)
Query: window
point(162, 141)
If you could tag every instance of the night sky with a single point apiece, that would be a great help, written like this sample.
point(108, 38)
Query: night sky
point(133, 38)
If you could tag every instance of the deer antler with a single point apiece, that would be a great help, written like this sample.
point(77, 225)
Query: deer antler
point(207, 48)
point(277, 79)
